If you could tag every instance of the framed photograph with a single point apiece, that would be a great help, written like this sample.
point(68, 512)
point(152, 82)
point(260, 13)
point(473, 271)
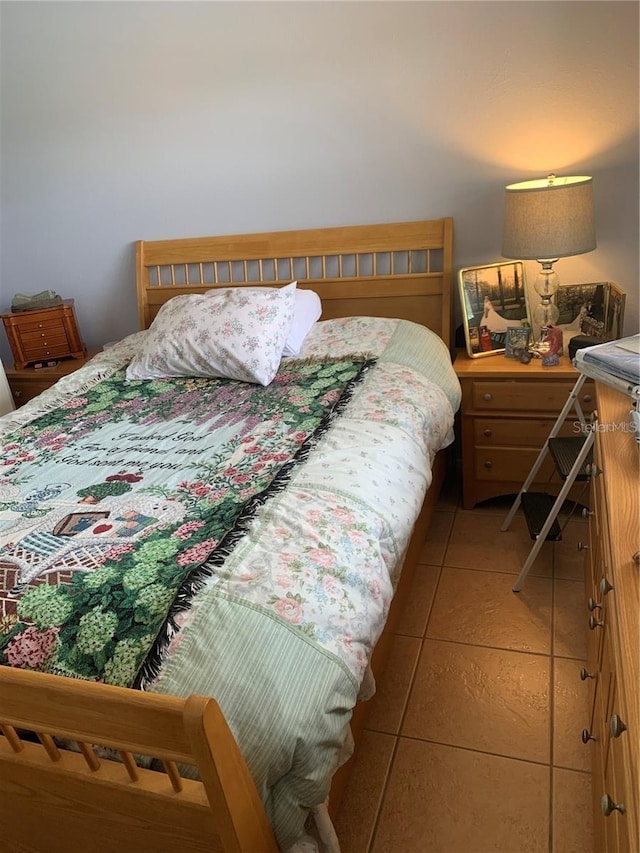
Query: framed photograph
point(595, 309)
point(518, 338)
point(614, 313)
point(493, 298)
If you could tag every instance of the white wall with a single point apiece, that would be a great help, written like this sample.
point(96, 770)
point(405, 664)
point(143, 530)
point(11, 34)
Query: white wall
point(134, 120)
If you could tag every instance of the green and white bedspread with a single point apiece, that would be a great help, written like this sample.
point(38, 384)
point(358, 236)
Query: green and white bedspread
point(276, 605)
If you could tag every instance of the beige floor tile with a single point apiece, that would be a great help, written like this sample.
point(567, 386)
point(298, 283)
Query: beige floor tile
point(362, 798)
point(570, 716)
point(568, 561)
point(572, 812)
point(478, 543)
point(413, 619)
point(484, 699)
point(570, 620)
point(442, 799)
point(480, 608)
point(392, 693)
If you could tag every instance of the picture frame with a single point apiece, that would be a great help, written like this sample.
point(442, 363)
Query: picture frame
point(595, 309)
point(517, 338)
point(493, 297)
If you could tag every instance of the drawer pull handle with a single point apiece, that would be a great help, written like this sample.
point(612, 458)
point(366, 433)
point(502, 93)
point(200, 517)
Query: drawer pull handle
point(584, 674)
point(586, 513)
point(582, 546)
point(17, 394)
point(636, 558)
point(488, 463)
point(487, 432)
point(593, 605)
point(595, 623)
point(593, 470)
point(616, 726)
point(608, 806)
point(587, 398)
point(587, 736)
point(604, 586)
point(488, 397)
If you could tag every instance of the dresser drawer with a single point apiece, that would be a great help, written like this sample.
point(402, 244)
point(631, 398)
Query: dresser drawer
point(523, 396)
point(31, 326)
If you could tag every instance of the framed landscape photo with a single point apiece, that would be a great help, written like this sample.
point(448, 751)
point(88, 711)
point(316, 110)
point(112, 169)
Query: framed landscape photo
point(493, 298)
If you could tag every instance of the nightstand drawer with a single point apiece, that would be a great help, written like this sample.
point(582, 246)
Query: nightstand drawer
point(523, 396)
point(510, 464)
point(512, 432)
point(25, 391)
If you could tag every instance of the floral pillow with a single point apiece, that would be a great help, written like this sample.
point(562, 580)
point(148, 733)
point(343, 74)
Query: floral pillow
point(239, 334)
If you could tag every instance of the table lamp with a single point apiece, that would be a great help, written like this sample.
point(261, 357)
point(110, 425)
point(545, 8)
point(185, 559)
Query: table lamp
point(545, 220)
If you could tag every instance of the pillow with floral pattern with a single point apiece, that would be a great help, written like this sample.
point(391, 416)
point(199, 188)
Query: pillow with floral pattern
point(238, 335)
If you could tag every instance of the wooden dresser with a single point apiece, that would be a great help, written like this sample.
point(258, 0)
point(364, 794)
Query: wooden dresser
point(43, 335)
point(507, 412)
point(613, 618)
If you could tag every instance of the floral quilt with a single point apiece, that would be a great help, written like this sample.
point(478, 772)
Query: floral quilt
point(116, 505)
point(277, 621)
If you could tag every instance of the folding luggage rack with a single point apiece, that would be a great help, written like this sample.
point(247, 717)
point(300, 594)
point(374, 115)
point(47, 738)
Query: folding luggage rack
point(573, 459)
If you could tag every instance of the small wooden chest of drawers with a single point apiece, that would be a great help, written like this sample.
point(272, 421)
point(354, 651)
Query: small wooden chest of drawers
point(508, 410)
point(43, 335)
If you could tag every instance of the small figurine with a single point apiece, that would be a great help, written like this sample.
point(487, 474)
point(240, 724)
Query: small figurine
point(553, 337)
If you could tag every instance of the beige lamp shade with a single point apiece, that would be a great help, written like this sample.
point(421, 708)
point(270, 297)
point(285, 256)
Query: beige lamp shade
point(549, 219)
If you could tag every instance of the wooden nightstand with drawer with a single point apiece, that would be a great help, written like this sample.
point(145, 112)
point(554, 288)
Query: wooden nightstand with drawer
point(507, 412)
point(44, 335)
point(27, 382)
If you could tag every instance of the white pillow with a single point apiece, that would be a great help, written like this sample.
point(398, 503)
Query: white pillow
point(306, 313)
point(238, 335)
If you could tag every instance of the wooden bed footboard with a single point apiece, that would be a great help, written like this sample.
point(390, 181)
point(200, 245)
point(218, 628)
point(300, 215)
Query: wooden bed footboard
point(57, 800)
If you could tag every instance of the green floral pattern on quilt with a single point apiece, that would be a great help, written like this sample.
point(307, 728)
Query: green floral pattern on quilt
point(154, 483)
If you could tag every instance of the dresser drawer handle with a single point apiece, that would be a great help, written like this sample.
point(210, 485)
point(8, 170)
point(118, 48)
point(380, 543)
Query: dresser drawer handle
point(17, 394)
point(616, 726)
point(593, 605)
point(487, 433)
point(586, 513)
point(608, 806)
point(582, 546)
point(604, 586)
point(488, 463)
point(587, 736)
point(587, 398)
point(488, 397)
point(593, 470)
point(636, 558)
point(595, 623)
point(584, 674)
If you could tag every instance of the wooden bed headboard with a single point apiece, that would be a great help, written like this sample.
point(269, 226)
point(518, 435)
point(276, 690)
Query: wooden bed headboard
point(401, 269)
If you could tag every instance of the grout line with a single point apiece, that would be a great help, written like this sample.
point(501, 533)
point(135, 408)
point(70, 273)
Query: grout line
point(383, 795)
point(495, 648)
point(475, 750)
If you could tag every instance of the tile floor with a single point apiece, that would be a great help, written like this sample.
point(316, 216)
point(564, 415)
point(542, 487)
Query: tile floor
point(473, 739)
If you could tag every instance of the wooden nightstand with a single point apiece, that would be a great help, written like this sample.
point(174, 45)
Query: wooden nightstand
point(508, 409)
point(27, 382)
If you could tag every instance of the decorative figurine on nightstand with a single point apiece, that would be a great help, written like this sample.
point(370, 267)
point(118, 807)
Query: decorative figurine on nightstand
point(553, 337)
